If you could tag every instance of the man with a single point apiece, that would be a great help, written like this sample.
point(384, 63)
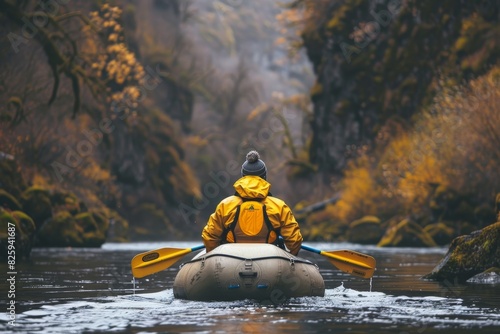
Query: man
point(252, 214)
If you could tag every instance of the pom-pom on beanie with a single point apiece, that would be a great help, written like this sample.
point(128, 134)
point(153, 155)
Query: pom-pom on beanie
point(253, 165)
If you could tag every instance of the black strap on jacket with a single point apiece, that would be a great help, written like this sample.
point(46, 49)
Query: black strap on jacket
point(269, 225)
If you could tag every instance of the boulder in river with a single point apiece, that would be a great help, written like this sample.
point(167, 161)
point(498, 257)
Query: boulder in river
point(37, 204)
point(92, 233)
point(24, 231)
point(86, 229)
point(366, 230)
point(62, 230)
point(406, 234)
point(469, 255)
point(490, 276)
point(8, 201)
point(62, 201)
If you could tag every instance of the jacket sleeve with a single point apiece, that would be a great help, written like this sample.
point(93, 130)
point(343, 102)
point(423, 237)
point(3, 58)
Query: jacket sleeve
point(290, 230)
point(212, 232)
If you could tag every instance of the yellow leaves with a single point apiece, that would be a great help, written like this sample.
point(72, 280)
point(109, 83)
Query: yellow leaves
point(280, 41)
point(359, 193)
point(94, 172)
point(197, 141)
point(461, 43)
point(260, 109)
point(317, 89)
point(116, 64)
point(112, 67)
point(113, 37)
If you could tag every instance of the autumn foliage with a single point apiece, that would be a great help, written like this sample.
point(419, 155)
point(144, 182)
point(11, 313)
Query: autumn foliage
point(442, 169)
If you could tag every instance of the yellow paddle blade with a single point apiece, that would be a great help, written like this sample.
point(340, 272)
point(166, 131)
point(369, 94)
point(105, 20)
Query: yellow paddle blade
point(351, 262)
point(151, 262)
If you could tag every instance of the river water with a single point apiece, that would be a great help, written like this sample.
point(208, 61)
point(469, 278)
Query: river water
point(91, 291)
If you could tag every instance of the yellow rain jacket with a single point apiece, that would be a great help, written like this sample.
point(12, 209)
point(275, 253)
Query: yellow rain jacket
point(252, 188)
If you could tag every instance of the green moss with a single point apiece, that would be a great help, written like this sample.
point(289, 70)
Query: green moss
point(37, 204)
point(461, 43)
point(25, 223)
point(94, 234)
point(336, 22)
point(86, 222)
point(62, 230)
point(470, 255)
point(24, 233)
point(5, 219)
point(8, 201)
point(66, 202)
point(101, 221)
point(487, 245)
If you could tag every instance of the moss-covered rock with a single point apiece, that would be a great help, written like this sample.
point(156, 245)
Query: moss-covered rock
point(86, 229)
point(24, 233)
point(490, 276)
point(406, 234)
point(25, 223)
point(469, 255)
point(62, 230)
point(10, 177)
point(366, 230)
point(8, 201)
point(37, 204)
point(62, 201)
point(102, 222)
point(440, 233)
point(86, 222)
point(92, 235)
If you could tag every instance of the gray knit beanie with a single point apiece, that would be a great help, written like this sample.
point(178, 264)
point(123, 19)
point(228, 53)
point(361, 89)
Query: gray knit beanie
point(253, 165)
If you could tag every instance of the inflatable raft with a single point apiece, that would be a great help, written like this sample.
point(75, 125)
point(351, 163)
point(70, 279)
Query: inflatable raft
point(247, 271)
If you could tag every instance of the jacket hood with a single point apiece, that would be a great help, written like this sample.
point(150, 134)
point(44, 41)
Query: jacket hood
point(252, 187)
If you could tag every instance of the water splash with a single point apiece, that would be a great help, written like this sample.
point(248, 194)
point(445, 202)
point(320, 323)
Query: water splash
point(341, 306)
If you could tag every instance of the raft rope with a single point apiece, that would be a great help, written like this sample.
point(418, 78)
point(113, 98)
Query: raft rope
point(288, 259)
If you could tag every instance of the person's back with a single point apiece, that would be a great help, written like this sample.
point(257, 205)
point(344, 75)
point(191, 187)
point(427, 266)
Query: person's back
point(252, 214)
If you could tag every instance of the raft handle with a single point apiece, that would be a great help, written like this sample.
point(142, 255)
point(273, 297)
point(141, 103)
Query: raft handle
point(248, 274)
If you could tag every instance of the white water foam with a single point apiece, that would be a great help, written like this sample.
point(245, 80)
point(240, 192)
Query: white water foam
point(340, 305)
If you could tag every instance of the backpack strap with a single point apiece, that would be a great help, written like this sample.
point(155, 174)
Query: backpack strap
point(231, 226)
point(267, 221)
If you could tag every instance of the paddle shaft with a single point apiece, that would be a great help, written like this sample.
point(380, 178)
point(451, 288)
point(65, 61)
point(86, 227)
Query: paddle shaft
point(351, 262)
